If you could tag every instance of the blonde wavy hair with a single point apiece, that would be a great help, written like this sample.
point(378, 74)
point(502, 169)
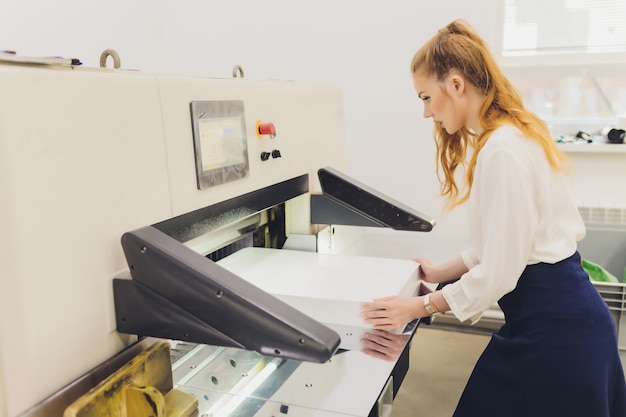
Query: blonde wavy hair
point(458, 47)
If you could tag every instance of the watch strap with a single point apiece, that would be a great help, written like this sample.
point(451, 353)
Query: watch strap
point(429, 307)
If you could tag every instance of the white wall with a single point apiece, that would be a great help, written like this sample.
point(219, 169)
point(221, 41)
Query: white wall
point(365, 47)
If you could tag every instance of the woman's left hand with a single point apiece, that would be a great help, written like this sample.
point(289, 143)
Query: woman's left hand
point(390, 312)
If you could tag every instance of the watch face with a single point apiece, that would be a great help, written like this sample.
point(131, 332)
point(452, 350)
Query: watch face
point(430, 309)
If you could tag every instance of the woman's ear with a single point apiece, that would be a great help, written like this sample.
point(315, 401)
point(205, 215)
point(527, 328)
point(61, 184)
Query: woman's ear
point(457, 83)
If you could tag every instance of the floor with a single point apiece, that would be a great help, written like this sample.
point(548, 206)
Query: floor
point(440, 364)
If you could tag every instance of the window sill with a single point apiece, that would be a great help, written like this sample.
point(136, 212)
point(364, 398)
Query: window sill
point(592, 147)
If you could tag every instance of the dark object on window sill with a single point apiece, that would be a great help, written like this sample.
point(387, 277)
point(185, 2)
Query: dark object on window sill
point(616, 136)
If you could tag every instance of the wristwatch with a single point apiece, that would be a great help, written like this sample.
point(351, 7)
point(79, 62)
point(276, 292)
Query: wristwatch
point(430, 307)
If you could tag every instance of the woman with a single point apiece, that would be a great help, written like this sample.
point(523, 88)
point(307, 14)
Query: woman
point(557, 353)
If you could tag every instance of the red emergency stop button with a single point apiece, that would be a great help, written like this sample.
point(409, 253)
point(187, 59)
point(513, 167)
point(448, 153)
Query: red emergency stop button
point(265, 128)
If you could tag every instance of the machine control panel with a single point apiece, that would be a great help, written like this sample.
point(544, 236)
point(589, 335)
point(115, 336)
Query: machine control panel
point(267, 129)
point(220, 145)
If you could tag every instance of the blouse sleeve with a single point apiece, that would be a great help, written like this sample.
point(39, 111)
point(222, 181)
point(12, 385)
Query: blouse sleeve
point(503, 195)
point(469, 258)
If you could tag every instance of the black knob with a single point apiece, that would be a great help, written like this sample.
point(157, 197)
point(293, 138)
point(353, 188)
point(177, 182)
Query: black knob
point(276, 153)
point(265, 156)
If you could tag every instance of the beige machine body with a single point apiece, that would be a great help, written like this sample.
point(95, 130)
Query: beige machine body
point(88, 154)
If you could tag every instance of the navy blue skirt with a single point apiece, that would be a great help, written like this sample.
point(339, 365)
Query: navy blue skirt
point(556, 354)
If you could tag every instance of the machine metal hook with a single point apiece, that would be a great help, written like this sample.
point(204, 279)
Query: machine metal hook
point(109, 53)
point(237, 71)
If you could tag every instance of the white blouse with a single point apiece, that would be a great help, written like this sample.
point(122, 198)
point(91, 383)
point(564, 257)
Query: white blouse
point(520, 213)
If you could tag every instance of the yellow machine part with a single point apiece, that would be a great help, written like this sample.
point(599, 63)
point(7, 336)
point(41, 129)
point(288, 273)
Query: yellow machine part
point(141, 388)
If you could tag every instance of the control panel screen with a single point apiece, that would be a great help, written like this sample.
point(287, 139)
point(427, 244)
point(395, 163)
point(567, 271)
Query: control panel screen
point(220, 145)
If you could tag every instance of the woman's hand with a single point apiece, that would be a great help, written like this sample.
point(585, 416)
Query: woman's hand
point(427, 270)
point(384, 345)
point(391, 312)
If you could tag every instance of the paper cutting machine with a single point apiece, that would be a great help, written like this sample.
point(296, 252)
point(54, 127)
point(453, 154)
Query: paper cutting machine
point(159, 184)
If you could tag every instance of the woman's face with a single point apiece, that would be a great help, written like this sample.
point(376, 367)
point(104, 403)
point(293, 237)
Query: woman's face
point(440, 101)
